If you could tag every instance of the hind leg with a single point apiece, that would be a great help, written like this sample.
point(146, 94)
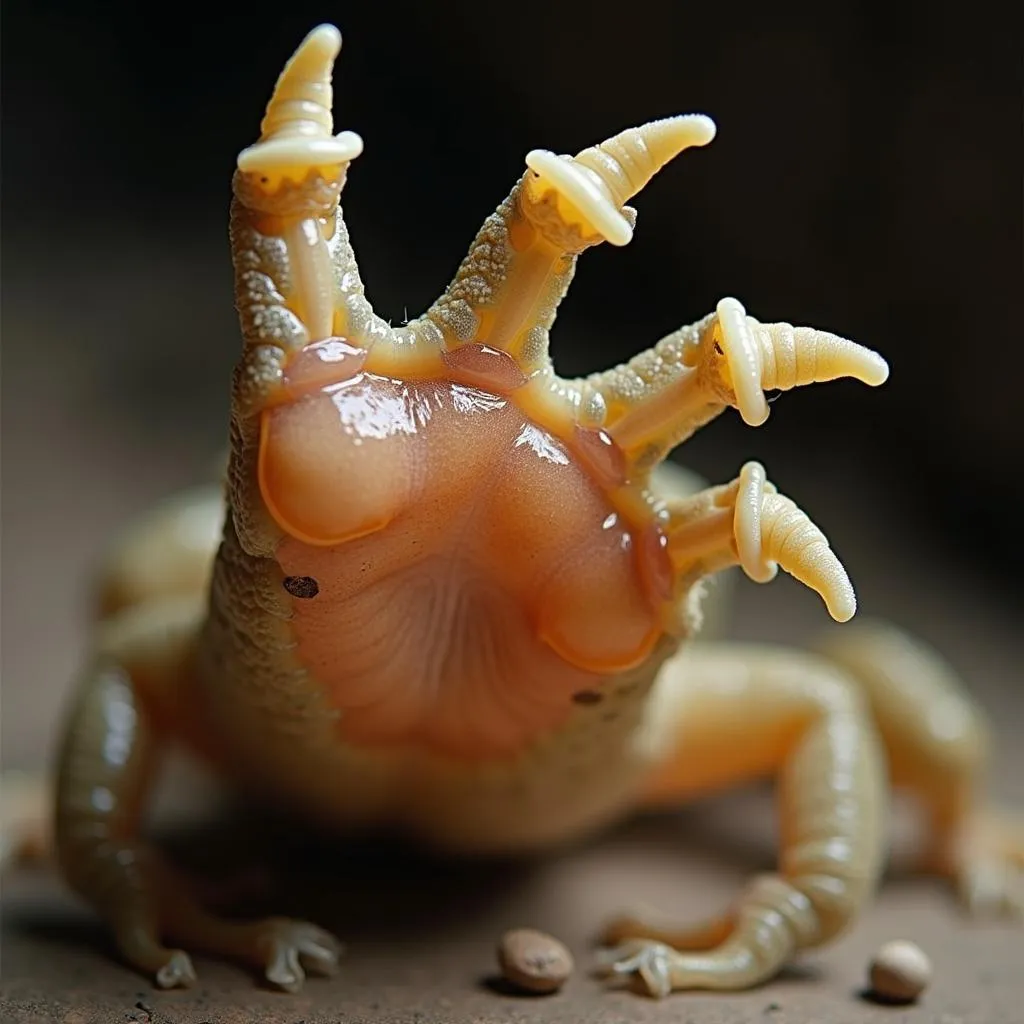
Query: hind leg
point(826, 727)
point(938, 745)
point(166, 553)
point(726, 715)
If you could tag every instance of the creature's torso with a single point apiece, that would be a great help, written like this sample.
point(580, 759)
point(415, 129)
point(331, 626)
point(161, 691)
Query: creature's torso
point(457, 661)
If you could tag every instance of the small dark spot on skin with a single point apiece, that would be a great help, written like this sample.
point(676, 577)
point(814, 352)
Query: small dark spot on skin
point(627, 689)
point(609, 716)
point(587, 697)
point(301, 586)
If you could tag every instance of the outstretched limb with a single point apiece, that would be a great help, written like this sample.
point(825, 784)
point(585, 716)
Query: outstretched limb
point(496, 313)
point(938, 746)
point(129, 703)
point(722, 716)
point(728, 359)
point(748, 523)
point(729, 715)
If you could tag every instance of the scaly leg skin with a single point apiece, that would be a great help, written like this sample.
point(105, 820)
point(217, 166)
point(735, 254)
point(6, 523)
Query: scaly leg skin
point(938, 744)
point(739, 714)
point(736, 714)
point(115, 734)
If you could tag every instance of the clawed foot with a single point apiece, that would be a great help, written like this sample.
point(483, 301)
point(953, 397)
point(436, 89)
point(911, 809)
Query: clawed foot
point(177, 972)
point(656, 969)
point(641, 961)
point(748, 522)
point(294, 945)
point(282, 948)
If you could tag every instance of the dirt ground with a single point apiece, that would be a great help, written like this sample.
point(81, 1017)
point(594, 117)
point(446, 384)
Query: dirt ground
point(421, 934)
point(421, 939)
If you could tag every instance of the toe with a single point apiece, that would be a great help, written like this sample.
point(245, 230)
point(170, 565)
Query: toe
point(318, 950)
point(647, 962)
point(283, 970)
point(178, 972)
point(296, 946)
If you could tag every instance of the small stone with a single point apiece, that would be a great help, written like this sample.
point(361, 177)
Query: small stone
point(900, 971)
point(533, 961)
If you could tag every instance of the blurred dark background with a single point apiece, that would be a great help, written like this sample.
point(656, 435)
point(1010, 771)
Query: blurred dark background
point(866, 179)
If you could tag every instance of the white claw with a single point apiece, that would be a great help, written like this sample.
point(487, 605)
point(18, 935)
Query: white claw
point(178, 972)
point(772, 531)
point(780, 356)
point(296, 131)
point(652, 961)
point(749, 544)
point(600, 179)
point(743, 357)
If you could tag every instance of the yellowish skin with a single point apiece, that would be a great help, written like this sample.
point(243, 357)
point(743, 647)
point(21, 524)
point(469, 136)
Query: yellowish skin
point(454, 592)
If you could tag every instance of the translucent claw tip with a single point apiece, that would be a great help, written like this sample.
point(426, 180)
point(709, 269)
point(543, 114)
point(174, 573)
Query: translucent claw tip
point(875, 370)
point(295, 133)
point(325, 40)
point(599, 180)
point(843, 606)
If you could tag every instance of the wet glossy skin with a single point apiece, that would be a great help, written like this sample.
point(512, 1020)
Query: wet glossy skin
point(472, 589)
point(456, 594)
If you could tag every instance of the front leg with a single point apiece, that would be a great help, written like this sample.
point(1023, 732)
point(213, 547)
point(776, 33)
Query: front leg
point(732, 715)
point(748, 523)
point(728, 359)
point(725, 717)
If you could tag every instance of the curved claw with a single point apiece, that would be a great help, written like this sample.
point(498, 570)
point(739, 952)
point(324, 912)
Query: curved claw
point(649, 961)
point(295, 135)
point(592, 187)
point(768, 357)
point(296, 945)
point(743, 358)
point(178, 972)
point(772, 531)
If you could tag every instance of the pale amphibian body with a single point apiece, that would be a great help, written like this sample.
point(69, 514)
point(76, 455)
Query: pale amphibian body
point(455, 593)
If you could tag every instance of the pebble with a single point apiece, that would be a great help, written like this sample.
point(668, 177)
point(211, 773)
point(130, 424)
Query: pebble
point(533, 961)
point(900, 971)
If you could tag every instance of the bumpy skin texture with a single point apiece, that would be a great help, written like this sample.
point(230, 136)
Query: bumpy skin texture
point(455, 593)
